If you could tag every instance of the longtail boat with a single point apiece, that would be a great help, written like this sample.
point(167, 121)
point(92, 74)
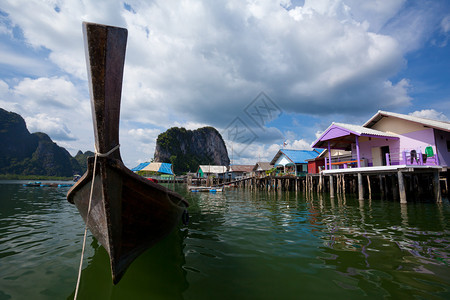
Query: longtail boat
point(128, 213)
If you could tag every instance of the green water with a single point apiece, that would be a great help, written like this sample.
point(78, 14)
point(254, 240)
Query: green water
point(238, 245)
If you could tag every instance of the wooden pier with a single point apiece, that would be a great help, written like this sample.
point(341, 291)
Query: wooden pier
point(401, 183)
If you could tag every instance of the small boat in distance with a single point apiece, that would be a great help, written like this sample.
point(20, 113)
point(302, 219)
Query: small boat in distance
point(209, 189)
point(32, 184)
point(128, 213)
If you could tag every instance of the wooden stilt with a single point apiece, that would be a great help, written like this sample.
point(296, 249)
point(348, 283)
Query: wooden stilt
point(393, 187)
point(343, 184)
point(331, 187)
point(360, 187)
point(321, 183)
point(401, 187)
point(436, 187)
point(369, 187)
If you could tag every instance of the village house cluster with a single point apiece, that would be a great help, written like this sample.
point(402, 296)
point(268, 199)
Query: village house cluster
point(388, 143)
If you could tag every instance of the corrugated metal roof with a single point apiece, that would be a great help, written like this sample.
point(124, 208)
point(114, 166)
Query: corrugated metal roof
point(361, 130)
point(264, 166)
point(352, 130)
point(295, 156)
point(442, 125)
point(213, 169)
point(165, 168)
point(140, 166)
point(241, 168)
point(300, 156)
point(154, 167)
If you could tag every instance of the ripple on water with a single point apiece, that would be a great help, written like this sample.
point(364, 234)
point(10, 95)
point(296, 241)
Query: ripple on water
point(238, 244)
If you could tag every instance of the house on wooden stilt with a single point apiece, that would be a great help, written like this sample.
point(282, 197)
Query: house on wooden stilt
point(390, 144)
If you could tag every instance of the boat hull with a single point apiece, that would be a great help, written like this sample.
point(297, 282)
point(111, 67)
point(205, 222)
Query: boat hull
point(128, 213)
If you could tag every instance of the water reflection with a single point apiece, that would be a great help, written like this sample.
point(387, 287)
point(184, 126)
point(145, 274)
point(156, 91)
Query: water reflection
point(359, 246)
point(239, 244)
point(157, 274)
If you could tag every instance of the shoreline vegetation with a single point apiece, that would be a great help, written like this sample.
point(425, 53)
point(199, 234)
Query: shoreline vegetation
point(33, 177)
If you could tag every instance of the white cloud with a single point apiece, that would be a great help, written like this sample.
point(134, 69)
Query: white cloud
point(375, 13)
point(190, 125)
point(298, 145)
point(53, 126)
point(251, 153)
point(141, 142)
point(9, 58)
point(53, 106)
point(48, 92)
point(194, 62)
point(196, 58)
point(430, 114)
point(4, 89)
point(445, 24)
point(147, 136)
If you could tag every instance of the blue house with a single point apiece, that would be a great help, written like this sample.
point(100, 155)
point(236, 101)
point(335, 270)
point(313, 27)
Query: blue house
point(294, 162)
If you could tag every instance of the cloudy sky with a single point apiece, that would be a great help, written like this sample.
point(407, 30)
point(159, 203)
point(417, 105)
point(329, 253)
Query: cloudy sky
point(263, 73)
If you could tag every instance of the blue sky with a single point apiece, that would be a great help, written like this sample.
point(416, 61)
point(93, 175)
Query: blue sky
point(300, 65)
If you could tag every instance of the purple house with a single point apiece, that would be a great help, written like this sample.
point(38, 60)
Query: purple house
point(388, 139)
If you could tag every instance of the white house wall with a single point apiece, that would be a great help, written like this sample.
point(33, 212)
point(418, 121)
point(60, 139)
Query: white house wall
point(283, 161)
point(398, 126)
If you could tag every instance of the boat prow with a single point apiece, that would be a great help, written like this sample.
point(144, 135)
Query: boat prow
point(128, 213)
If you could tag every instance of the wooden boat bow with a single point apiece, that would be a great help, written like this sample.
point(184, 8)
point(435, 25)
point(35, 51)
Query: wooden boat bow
point(105, 57)
point(128, 212)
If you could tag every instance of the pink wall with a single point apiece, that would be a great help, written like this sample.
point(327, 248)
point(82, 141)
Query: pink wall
point(417, 140)
point(366, 148)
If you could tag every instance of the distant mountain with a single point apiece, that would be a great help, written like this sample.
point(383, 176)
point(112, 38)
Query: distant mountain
point(187, 149)
point(25, 153)
point(81, 158)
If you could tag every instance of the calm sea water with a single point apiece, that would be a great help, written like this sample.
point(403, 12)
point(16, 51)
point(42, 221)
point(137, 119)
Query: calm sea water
point(238, 245)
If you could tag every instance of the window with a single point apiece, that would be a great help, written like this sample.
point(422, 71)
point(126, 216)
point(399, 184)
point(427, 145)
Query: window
point(448, 145)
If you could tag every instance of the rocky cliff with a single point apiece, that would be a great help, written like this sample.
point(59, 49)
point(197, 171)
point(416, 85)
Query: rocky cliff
point(81, 158)
point(23, 153)
point(187, 149)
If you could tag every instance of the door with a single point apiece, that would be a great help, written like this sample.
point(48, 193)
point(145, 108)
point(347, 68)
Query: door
point(384, 151)
point(376, 156)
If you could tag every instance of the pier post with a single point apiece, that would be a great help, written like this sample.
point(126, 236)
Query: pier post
point(343, 184)
point(360, 187)
point(321, 182)
point(382, 189)
point(393, 187)
point(401, 187)
point(437, 187)
point(307, 183)
point(338, 184)
point(331, 187)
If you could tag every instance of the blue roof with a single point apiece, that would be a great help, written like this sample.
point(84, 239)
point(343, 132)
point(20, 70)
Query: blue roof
point(165, 168)
point(140, 166)
point(299, 156)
